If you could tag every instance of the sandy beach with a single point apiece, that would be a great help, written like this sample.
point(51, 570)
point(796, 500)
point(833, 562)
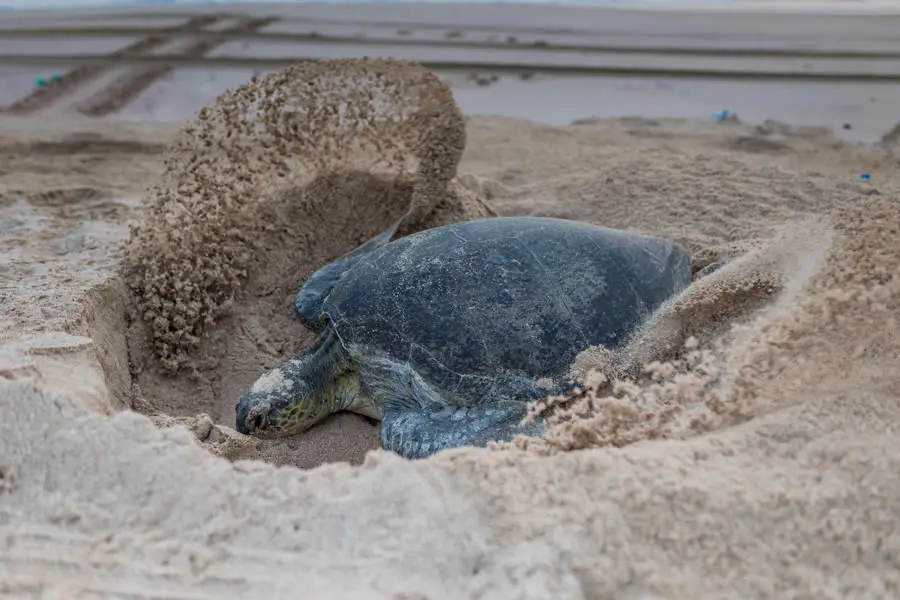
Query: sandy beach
point(149, 256)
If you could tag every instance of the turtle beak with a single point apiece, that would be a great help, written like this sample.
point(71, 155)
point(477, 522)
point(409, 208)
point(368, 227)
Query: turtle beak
point(252, 414)
point(278, 403)
point(263, 414)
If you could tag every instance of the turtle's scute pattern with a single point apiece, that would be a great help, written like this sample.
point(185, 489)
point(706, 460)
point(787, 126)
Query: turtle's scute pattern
point(467, 303)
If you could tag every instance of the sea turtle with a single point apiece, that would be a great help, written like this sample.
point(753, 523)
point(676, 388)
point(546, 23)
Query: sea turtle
point(446, 334)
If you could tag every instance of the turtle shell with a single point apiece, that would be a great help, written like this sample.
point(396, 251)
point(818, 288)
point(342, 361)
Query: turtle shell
point(471, 301)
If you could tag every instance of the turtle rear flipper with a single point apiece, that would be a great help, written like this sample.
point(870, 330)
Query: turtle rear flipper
point(311, 297)
point(417, 422)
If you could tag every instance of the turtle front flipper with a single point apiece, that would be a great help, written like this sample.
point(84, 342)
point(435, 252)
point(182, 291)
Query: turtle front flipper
point(436, 427)
point(309, 300)
point(417, 422)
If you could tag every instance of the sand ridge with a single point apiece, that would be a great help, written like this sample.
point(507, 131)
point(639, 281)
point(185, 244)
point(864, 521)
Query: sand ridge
point(756, 455)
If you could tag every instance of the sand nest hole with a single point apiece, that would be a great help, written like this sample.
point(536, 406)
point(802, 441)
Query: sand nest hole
point(294, 169)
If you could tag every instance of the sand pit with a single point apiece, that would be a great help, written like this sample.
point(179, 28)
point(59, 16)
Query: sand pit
point(753, 453)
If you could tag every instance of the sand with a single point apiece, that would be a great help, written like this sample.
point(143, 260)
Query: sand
point(745, 446)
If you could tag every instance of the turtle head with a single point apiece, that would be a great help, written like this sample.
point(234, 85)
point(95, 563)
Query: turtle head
point(281, 402)
point(322, 380)
point(298, 394)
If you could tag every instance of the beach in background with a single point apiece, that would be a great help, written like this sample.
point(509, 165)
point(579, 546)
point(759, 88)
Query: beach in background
point(547, 64)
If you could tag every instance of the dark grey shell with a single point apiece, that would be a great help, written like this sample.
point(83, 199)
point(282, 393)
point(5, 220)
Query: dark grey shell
point(467, 302)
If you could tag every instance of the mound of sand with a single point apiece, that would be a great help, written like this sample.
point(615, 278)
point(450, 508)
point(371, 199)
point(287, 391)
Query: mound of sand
point(277, 178)
point(744, 446)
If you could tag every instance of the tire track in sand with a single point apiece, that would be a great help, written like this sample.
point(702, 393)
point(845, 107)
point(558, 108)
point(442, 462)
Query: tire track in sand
point(129, 86)
point(48, 94)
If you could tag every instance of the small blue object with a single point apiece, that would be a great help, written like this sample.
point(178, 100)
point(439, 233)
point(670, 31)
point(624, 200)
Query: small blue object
point(864, 176)
point(721, 115)
point(42, 81)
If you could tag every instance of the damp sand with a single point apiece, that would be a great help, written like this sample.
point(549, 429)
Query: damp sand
point(751, 453)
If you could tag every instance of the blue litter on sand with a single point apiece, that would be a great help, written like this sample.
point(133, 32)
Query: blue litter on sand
point(721, 115)
point(42, 81)
point(865, 176)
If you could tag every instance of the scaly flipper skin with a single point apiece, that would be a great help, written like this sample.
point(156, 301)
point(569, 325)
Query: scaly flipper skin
point(309, 300)
point(417, 422)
